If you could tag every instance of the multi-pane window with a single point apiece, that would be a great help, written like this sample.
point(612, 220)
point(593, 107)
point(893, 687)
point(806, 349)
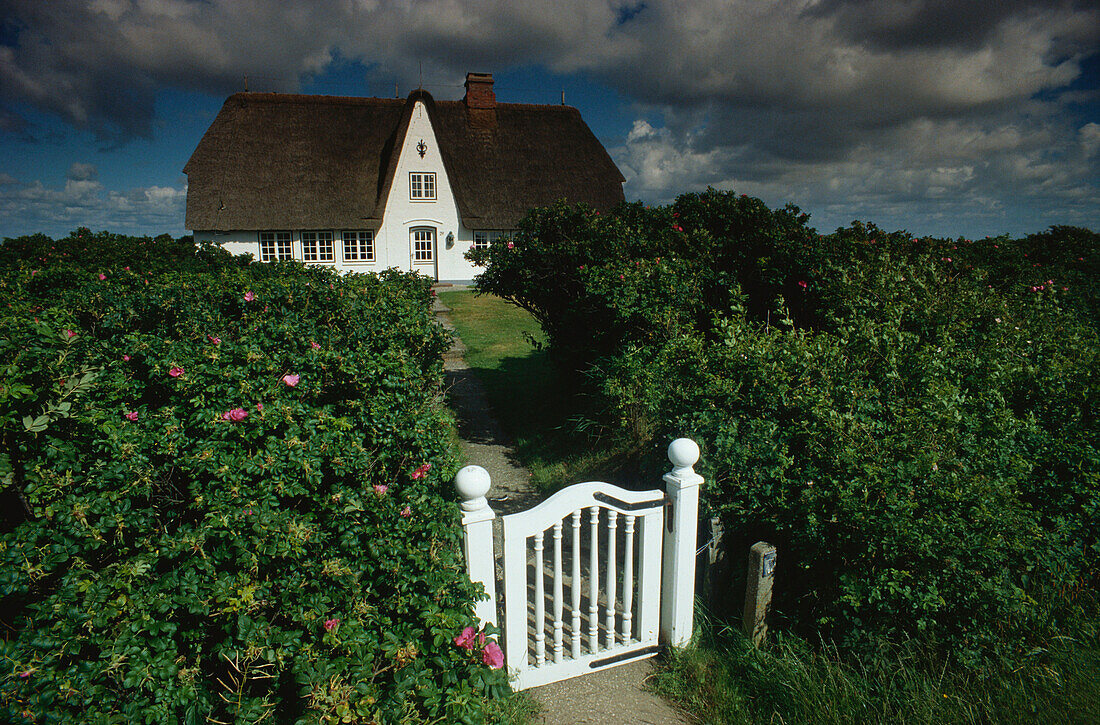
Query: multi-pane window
point(423, 241)
point(482, 239)
point(421, 186)
point(274, 246)
point(317, 247)
point(359, 246)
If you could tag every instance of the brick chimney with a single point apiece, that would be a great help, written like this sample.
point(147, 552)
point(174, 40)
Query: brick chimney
point(479, 91)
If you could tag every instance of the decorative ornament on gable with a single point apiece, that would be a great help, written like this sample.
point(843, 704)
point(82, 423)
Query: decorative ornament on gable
point(422, 148)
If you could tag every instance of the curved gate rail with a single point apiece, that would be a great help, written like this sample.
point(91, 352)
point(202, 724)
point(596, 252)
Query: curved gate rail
point(620, 567)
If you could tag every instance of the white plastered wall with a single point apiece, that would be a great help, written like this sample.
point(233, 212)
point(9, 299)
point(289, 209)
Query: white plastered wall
point(248, 242)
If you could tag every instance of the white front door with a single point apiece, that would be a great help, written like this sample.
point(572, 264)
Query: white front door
point(424, 252)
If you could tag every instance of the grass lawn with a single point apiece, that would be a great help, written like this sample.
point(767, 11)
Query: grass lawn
point(534, 404)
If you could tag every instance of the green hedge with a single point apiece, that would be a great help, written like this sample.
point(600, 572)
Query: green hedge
point(912, 421)
point(224, 492)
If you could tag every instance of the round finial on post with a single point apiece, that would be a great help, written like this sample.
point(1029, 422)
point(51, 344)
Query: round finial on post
point(472, 483)
point(683, 453)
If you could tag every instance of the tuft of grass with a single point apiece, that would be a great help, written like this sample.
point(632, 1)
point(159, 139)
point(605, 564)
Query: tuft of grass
point(723, 679)
point(519, 708)
point(533, 401)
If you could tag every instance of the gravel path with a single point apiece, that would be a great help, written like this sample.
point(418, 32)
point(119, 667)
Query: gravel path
point(609, 697)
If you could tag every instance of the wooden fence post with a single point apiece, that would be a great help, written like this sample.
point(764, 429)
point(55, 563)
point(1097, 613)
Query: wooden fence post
point(758, 590)
point(473, 483)
point(681, 537)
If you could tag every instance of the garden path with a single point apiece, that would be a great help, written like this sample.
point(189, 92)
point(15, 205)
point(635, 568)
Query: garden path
point(610, 697)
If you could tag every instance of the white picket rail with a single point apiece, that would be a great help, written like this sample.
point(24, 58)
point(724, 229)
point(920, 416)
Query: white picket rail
point(647, 596)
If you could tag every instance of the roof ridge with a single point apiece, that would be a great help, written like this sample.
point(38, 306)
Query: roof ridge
point(265, 97)
point(314, 98)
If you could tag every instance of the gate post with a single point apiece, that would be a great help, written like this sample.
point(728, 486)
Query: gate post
point(473, 483)
point(681, 534)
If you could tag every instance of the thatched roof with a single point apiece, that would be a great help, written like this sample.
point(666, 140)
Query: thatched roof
point(280, 161)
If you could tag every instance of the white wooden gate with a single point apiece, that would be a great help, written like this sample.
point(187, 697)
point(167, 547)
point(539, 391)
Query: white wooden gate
point(620, 567)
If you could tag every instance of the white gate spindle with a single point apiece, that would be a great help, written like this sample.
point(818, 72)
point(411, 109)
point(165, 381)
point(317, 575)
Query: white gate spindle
point(612, 575)
point(594, 581)
point(575, 589)
point(540, 603)
point(628, 580)
point(557, 593)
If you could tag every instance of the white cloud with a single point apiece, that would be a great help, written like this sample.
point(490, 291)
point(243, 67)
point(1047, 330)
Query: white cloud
point(1090, 138)
point(33, 207)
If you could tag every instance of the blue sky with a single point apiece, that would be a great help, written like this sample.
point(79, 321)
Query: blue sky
point(935, 116)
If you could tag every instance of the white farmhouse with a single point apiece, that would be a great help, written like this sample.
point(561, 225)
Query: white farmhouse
point(368, 183)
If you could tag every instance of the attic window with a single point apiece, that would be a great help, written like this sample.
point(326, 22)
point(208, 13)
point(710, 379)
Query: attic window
point(422, 186)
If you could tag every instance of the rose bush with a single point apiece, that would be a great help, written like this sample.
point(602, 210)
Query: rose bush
point(912, 421)
point(191, 530)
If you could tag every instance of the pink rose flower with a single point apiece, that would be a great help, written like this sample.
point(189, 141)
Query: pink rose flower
point(291, 380)
point(803, 284)
point(235, 415)
point(176, 371)
point(381, 489)
point(466, 639)
point(248, 296)
point(492, 655)
point(101, 276)
point(132, 415)
point(510, 245)
point(125, 358)
point(406, 512)
point(331, 624)
point(126, 268)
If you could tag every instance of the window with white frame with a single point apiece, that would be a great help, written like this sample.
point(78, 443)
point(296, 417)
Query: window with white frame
point(422, 186)
point(275, 246)
point(423, 244)
point(483, 238)
point(317, 247)
point(359, 246)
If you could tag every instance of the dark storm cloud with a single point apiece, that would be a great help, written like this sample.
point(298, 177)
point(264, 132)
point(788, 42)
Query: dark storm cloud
point(904, 24)
point(887, 102)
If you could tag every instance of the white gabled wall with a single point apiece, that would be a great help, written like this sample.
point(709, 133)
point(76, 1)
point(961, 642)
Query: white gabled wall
point(402, 214)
